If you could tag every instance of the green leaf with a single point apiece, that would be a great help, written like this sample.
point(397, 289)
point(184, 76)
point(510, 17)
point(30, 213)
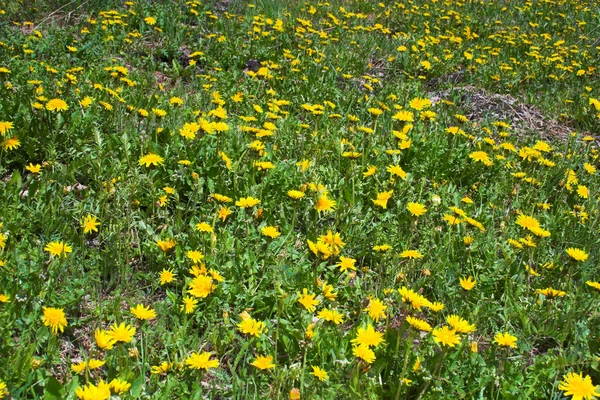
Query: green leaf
point(54, 389)
point(136, 387)
point(15, 179)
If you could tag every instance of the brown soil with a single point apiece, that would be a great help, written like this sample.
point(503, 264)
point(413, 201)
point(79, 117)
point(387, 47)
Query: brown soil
point(523, 118)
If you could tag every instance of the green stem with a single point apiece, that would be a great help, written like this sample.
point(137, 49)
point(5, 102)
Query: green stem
point(435, 374)
point(401, 383)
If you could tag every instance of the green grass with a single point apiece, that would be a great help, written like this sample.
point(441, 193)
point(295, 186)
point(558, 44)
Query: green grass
point(325, 99)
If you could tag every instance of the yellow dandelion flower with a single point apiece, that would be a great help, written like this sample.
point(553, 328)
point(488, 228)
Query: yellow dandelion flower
point(58, 249)
point(364, 353)
point(324, 203)
point(57, 105)
point(376, 309)
point(189, 304)
point(368, 337)
point(308, 300)
point(445, 336)
point(142, 312)
point(319, 373)
point(263, 363)
point(104, 339)
point(195, 256)
point(34, 169)
point(420, 103)
point(201, 361)
point(12, 143)
point(577, 254)
point(247, 202)
point(162, 368)
point(346, 263)
point(90, 224)
point(505, 339)
point(331, 316)
point(578, 386)
point(93, 392)
point(467, 283)
point(55, 319)
point(411, 254)
point(166, 276)
point(201, 286)
point(5, 126)
point(270, 231)
point(416, 209)
point(419, 324)
point(295, 194)
point(122, 333)
point(151, 159)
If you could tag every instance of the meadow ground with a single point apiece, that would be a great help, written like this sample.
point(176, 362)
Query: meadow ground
point(305, 200)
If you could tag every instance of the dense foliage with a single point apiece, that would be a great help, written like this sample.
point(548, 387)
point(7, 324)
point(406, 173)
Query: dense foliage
point(283, 199)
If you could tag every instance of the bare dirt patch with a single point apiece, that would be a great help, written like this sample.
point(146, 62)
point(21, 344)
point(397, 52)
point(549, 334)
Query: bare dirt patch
point(524, 118)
